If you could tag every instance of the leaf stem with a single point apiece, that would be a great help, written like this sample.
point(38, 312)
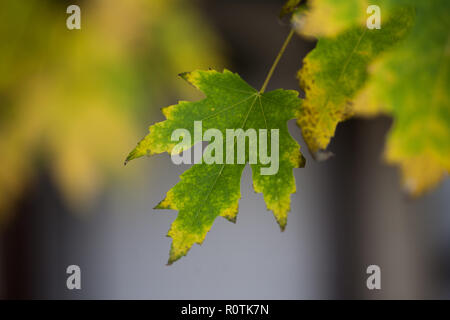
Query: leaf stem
point(277, 59)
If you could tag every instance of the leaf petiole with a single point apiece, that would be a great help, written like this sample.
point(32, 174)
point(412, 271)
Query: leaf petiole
point(277, 59)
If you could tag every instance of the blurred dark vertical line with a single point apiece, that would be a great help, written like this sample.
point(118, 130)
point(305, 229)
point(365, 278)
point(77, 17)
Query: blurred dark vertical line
point(33, 244)
point(16, 254)
point(374, 221)
point(351, 171)
point(392, 231)
point(345, 172)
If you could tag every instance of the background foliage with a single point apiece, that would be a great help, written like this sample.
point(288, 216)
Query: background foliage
point(401, 70)
point(71, 101)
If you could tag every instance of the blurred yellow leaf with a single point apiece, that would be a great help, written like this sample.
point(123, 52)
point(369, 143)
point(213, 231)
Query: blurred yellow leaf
point(69, 98)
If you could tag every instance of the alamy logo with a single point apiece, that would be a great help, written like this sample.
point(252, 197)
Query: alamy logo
point(74, 280)
point(374, 280)
point(374, 20)
point(74, 20)
point(235, 147)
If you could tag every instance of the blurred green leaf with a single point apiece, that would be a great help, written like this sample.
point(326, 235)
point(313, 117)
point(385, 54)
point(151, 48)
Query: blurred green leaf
point(354, 70)
point(411, 82)
point(336, 69)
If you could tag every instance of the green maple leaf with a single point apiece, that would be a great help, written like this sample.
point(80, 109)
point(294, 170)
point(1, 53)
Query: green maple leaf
point(336, 69)
point(206, 191)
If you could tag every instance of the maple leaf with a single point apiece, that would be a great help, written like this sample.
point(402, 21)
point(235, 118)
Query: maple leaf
point(206, 191)
point(336, 69)
point(411, 83)
point(401, 70)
